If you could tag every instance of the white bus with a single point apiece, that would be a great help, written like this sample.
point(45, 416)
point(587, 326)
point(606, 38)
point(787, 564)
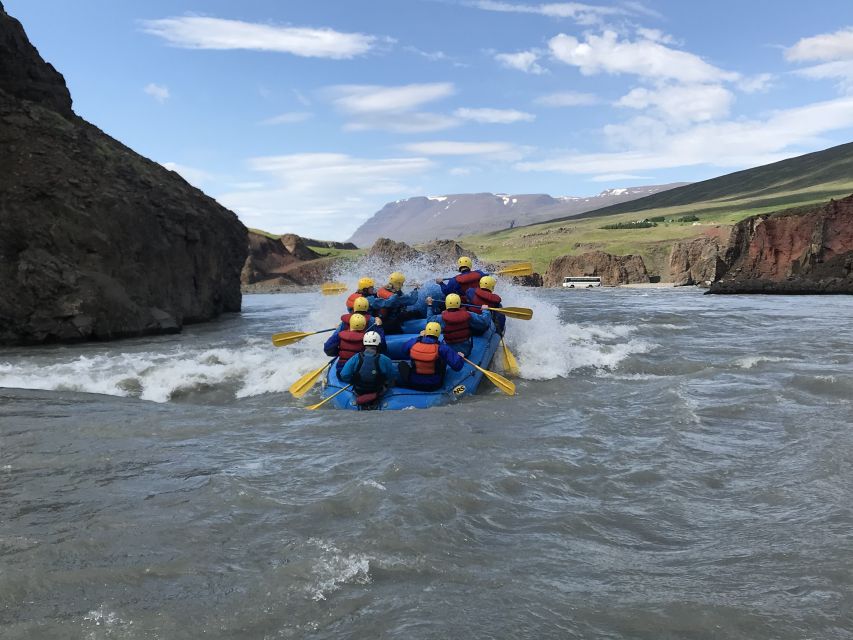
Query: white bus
point(581, 282)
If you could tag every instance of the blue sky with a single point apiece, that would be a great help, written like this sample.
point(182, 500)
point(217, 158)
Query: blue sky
point(307, 117)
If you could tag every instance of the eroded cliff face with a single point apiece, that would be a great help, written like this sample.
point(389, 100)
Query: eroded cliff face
point(96, 241)
point(698, 261)
point(792, 252)
point(613, 270)
point(283, 261)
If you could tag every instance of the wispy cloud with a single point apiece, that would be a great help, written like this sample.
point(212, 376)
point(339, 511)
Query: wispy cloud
point(567, 99)
point(291, 117)
point(196, 177)
point(325, 195)
point(494, 116)
point(681, 104)
point(584, 14)
point(392, 108)
point(496, 150)
point(197, 32)
point(729, 144)
point(157, 91)
point(618, 177)
point(834, 52)
point(525, 61)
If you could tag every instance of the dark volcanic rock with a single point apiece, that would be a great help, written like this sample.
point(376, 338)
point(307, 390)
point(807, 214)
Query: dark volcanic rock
point(283, 261)
point(97, 242)
point(696, 262)
point(612, 270)
point(796, 252)
point(393, 252)
point(445, 252)
point(533, 280)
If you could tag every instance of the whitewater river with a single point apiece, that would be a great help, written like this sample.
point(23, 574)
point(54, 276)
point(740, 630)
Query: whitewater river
point(673, 466)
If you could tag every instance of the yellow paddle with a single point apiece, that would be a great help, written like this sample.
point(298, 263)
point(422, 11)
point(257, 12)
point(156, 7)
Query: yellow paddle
point(520, 269)
point(304, 384)
point(509, 360)
point(321, 403)
point(519, 313)
point(289, 337)
point(333, 288)
point(498, 380)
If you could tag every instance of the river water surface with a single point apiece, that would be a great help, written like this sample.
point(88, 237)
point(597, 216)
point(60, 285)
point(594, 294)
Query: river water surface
point(673, 466)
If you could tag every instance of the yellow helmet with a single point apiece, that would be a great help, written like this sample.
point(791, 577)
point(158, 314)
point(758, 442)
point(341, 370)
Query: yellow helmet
point(397, 279)
point(360, 305)
point(488, 282)
point(357, 322)
point(453, 301)
point(432, 329)
point(464, 261)
point(365, 283)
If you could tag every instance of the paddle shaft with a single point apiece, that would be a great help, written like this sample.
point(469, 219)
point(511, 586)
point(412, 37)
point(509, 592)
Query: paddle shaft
point(320, 404)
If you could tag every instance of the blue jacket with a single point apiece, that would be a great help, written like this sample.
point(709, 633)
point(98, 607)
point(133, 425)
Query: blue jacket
point(479, 322)
point(445, 353)
point(453, 286)
point(386, 366)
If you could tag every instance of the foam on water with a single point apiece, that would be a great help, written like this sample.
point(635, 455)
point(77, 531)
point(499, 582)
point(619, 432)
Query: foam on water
point(546, 347)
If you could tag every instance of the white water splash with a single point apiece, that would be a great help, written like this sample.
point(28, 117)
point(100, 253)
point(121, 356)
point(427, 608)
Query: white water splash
point(750, 362)
point(334, 568)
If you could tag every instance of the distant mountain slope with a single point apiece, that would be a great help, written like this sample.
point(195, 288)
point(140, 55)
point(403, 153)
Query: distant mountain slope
point(767, 185)
point(422, 219)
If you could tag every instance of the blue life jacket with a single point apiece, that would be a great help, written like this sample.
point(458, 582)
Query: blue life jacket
point(368, 377)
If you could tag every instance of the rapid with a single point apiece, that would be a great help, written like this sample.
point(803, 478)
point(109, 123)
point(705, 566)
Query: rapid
point(674, 465)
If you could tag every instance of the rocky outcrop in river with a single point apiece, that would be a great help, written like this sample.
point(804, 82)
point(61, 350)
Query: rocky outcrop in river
point(613, 270)
point(696, 262)
point(97, 242)
point(792, 252)
point(285, 261)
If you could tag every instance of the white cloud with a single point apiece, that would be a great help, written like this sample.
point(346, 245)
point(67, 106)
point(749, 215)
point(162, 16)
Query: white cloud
point(196, 177)
point(291, 117)
point(392, 108)
point(325, 195)
point(649, 59)
point(494, 116)
point(365, 98)
point(730, 144)
point(825, 47)
point(496, 150)
point(756, 84)
point(461, 171)
point(566, 99)
point(522, 61)
point(157, 91)
point(618, 177)
point(197, 32)
point(833, 50)
point(681, 104)
point(581, 13)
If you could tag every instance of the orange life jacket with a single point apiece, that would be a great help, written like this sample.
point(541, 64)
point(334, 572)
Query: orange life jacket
point(425, 357)
point(349, 345)
point(457, 326)
point(352, 298)
point(484, 296)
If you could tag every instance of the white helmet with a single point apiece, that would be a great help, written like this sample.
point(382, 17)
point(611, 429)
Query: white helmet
point(372, 339)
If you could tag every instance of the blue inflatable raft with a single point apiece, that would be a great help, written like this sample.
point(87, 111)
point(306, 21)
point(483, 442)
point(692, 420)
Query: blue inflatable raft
point(456, 383)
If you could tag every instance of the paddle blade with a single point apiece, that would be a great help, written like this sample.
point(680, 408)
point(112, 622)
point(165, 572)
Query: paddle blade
point(498, 380)
point(519, 313)
point(289, 337)
point(520, 269)
point(510, 362)
point(304, 384)
point(333, 288)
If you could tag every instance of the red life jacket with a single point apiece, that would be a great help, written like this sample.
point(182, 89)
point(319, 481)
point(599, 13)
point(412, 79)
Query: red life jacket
point(352, 298)
point(467, 280)
point(484, 296)
point(347, 316)
point(457, 326)
point(425, 357)
point(350, 344)
point(384, 293)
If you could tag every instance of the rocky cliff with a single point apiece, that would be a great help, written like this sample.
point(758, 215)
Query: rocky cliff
point(612, 270)
point(698, 261)
point(275, 262)
point(97, 242)
point(795, 252)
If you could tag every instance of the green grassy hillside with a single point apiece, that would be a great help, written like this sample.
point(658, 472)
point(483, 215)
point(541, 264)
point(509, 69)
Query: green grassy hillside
point(717, 203)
